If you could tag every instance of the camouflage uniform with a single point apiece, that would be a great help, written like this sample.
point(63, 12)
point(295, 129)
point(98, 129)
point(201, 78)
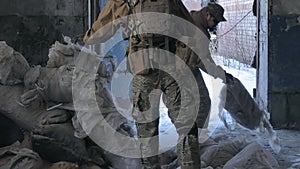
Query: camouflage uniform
point(147, 89)
point(239, 102)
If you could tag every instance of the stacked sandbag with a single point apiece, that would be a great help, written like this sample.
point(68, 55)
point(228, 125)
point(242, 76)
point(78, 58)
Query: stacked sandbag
point(99, 118)
point(228, 154)
point(18, 157)
point(253, 156)
point(52, 133)
point(53, 84)
point(50, 130)
point(13, 65)
point(67, 54)
point(60, 54)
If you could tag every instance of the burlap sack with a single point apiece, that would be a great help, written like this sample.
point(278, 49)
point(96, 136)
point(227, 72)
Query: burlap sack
point(52, 84)
point(13, 65)
point(60, 54)
point(13, 157)
point(253, 156)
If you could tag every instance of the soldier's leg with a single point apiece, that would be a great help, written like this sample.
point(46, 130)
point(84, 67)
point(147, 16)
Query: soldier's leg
point(146, 114)
point(205, 102)
point(184, 121)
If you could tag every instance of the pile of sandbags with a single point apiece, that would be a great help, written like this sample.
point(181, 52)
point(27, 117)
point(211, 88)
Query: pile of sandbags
point(27, 93)
point(72, 54)
point(77, 77)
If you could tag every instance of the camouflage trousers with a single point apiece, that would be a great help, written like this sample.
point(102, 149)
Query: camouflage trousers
point(184, 109)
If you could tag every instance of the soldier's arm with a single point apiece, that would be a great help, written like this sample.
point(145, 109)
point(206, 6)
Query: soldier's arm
point(106, 25)
point(208, 65)
point(205, 62)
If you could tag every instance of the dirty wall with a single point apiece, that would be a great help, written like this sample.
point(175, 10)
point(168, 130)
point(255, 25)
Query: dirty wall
point(31, 26)
point(283, 63)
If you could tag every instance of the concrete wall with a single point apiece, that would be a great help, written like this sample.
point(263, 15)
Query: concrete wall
point(284, 63)
point(31, 26)
point(237, 41)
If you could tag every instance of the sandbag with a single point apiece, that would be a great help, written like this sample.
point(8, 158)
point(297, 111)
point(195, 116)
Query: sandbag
point(64, 165)
point(218, 155)
point(16, 157)
point(13, 65)
point(30, 117)
point(95, 113)
point(56, 59)
point(245, 111)
point(56, 142)
point(13, 157)
point(89, 61)
point(54, 84)
point(253, 156)
point(67, 54)
point(9, 132)
point(241, 105)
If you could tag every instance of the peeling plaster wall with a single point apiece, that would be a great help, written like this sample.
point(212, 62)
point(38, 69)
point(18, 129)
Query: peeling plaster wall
point(284, 63)
point(31, 26)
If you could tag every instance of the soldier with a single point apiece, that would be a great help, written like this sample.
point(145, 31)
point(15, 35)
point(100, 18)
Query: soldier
point(148, 78)
point(145, 98)
point(255, 59)
point(239, 102)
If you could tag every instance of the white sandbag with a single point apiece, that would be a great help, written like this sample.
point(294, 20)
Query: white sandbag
point(14, 157)
point(13, 65)
point(52, 84)
point(218, 155)
point(60, 54)
point(253, 156)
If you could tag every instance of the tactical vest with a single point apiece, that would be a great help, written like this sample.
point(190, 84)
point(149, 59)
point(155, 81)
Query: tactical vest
point(140, 39)
point(141, 28)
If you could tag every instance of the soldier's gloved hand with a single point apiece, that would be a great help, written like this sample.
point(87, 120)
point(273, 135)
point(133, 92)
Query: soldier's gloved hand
point(229, 78)
point(218, 72)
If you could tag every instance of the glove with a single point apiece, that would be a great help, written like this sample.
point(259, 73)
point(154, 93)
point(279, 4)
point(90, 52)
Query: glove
point(229, 78)
point(217, 72)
